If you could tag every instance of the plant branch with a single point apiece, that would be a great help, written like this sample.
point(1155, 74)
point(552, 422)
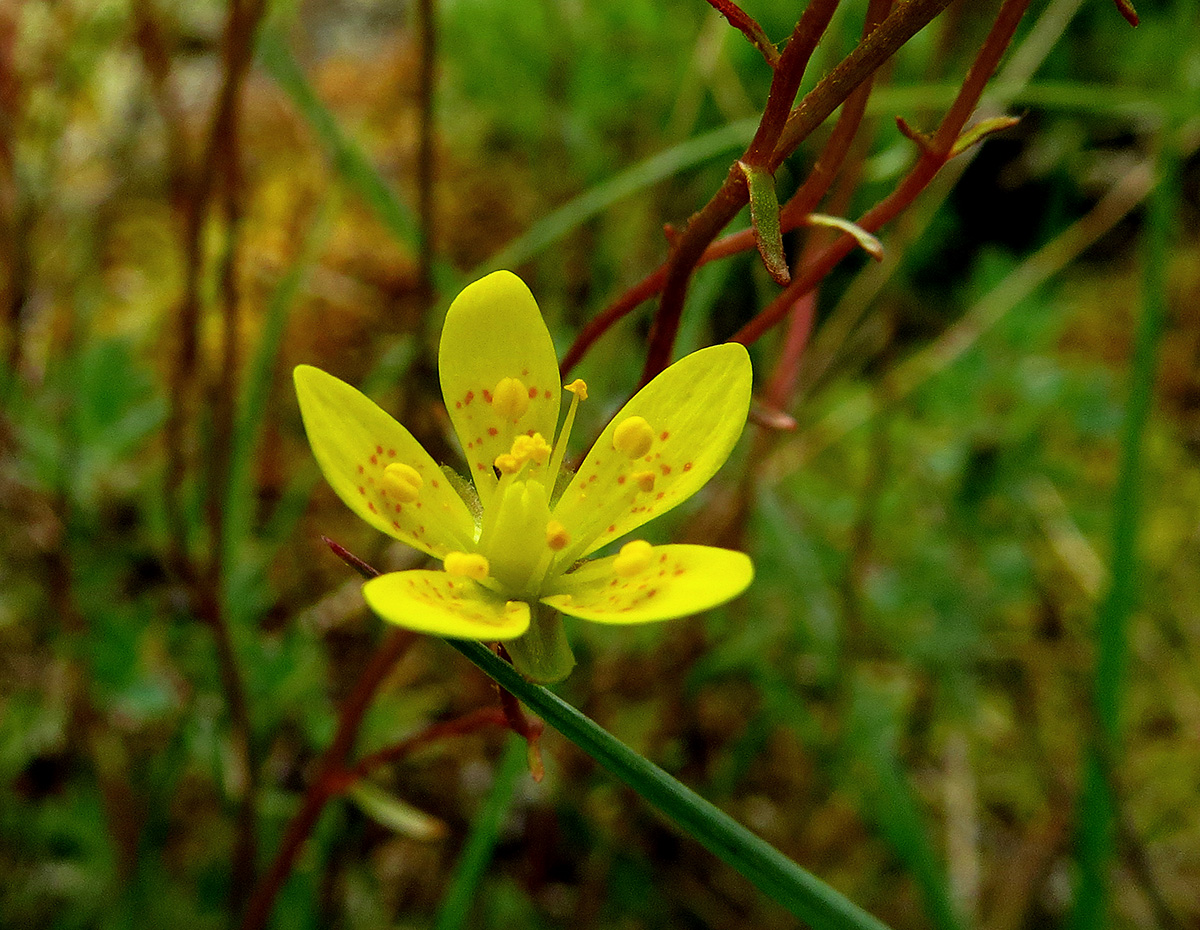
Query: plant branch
point(936, 152)
point(742, 21)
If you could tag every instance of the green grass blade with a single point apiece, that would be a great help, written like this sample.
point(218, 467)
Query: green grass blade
point(777, 876)
point(349, 161)
point(485, 830)
point(1096, 832)
point(257, 385)
point(575, 213)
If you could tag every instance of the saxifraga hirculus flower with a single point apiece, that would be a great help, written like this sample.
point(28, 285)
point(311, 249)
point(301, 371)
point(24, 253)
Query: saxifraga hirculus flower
point(513, 544)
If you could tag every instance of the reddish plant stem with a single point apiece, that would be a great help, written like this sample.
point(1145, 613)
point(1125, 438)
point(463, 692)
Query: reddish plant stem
point(933, 156)
point(742, 21)
point(705, 226)
point(329, 771)
point(425, 145)
point(900, 25)
point(782, 384)
point(334, 774)
point(460, 726)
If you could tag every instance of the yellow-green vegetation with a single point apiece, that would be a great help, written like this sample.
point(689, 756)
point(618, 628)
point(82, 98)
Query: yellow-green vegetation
point(270, 656)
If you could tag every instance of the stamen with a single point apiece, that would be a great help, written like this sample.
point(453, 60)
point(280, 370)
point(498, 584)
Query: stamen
point(531, 448)
point(403, 481)
point(633, 437)
point(634, 558)
point(644, 480)
point(508, 464)
point(557, 537)
point(466, 565)
point(578, 391)
point(510, 399)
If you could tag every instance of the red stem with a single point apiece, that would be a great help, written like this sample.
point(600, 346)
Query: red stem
point(931, 160)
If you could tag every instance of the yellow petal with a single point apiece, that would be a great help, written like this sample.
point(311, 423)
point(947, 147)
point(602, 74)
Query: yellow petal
point(494, 339)
point(682, 425)
point(677, 580)
point(355, 442)
point(441, 604)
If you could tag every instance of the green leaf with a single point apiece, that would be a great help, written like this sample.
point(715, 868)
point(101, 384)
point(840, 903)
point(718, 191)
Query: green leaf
point(793, 888)
point(764, 216)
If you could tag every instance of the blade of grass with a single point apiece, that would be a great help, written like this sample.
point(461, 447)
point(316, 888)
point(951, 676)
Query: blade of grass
point(349, 161)
point(777, 876)
point(576, 212)
point(259, 374)
point(1097, 814)
point(481, 843)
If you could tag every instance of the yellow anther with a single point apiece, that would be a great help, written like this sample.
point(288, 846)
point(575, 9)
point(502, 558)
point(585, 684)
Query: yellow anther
point(633, 437)
point(466, 565)
point(403, 481)
point(644, 480)
point(634, 558)
point(510, 399)
point(508, 464)
point(557, 537)
point(531, 448)
point(577, 387)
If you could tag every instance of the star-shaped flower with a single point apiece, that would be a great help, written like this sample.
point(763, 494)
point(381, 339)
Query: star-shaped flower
point(512, 544)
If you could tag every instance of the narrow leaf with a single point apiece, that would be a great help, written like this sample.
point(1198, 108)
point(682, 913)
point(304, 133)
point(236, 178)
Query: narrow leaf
point(865, 240)
point(980, 131)
point(391, 812)
point(764, 216)
point(773, 873)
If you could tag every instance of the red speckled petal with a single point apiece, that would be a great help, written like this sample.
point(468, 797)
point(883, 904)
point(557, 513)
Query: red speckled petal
point(678, 580)
point(354, 441)
point(495, 331)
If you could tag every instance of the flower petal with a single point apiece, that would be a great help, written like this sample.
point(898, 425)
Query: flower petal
point(354, 441)
point(441, 604)
point(678, 580)
point(692, 413)
point(494, 332)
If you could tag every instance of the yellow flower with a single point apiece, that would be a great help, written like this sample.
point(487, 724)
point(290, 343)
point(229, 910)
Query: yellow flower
point(512, 546)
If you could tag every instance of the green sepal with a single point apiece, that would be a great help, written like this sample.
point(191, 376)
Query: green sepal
point(764, 217)
point(542, 654)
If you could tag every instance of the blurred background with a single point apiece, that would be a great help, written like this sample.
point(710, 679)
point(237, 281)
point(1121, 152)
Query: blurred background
point(904, 699)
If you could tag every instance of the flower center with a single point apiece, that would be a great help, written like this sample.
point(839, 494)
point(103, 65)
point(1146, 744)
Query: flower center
point(518, 539)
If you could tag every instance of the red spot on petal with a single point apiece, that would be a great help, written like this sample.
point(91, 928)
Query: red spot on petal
point(664, 436)
point(660, 495)
point(487, 395)
point(396, 524)
point(435, 484)
point(524, 372)
point(398, 508)
point(687, 466)
point(391, 453)
point(361, 489)
point(666, 469)
point(470, 445)
point(471, 396)
point(663, 558)
point(533, 392)
point(529, 432)
point(492, 431)
point(479, 466)
point(374, 460)
point(360, 469)
point(379, 450)
point(371, 507)
point(621, 480)
point(612, 527)
point(458, 405)
point(547, 395)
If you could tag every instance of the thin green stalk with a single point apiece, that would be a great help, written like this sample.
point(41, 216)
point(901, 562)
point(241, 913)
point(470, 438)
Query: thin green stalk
point(1097, 815)
point(773, 873)
point(481, 843)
